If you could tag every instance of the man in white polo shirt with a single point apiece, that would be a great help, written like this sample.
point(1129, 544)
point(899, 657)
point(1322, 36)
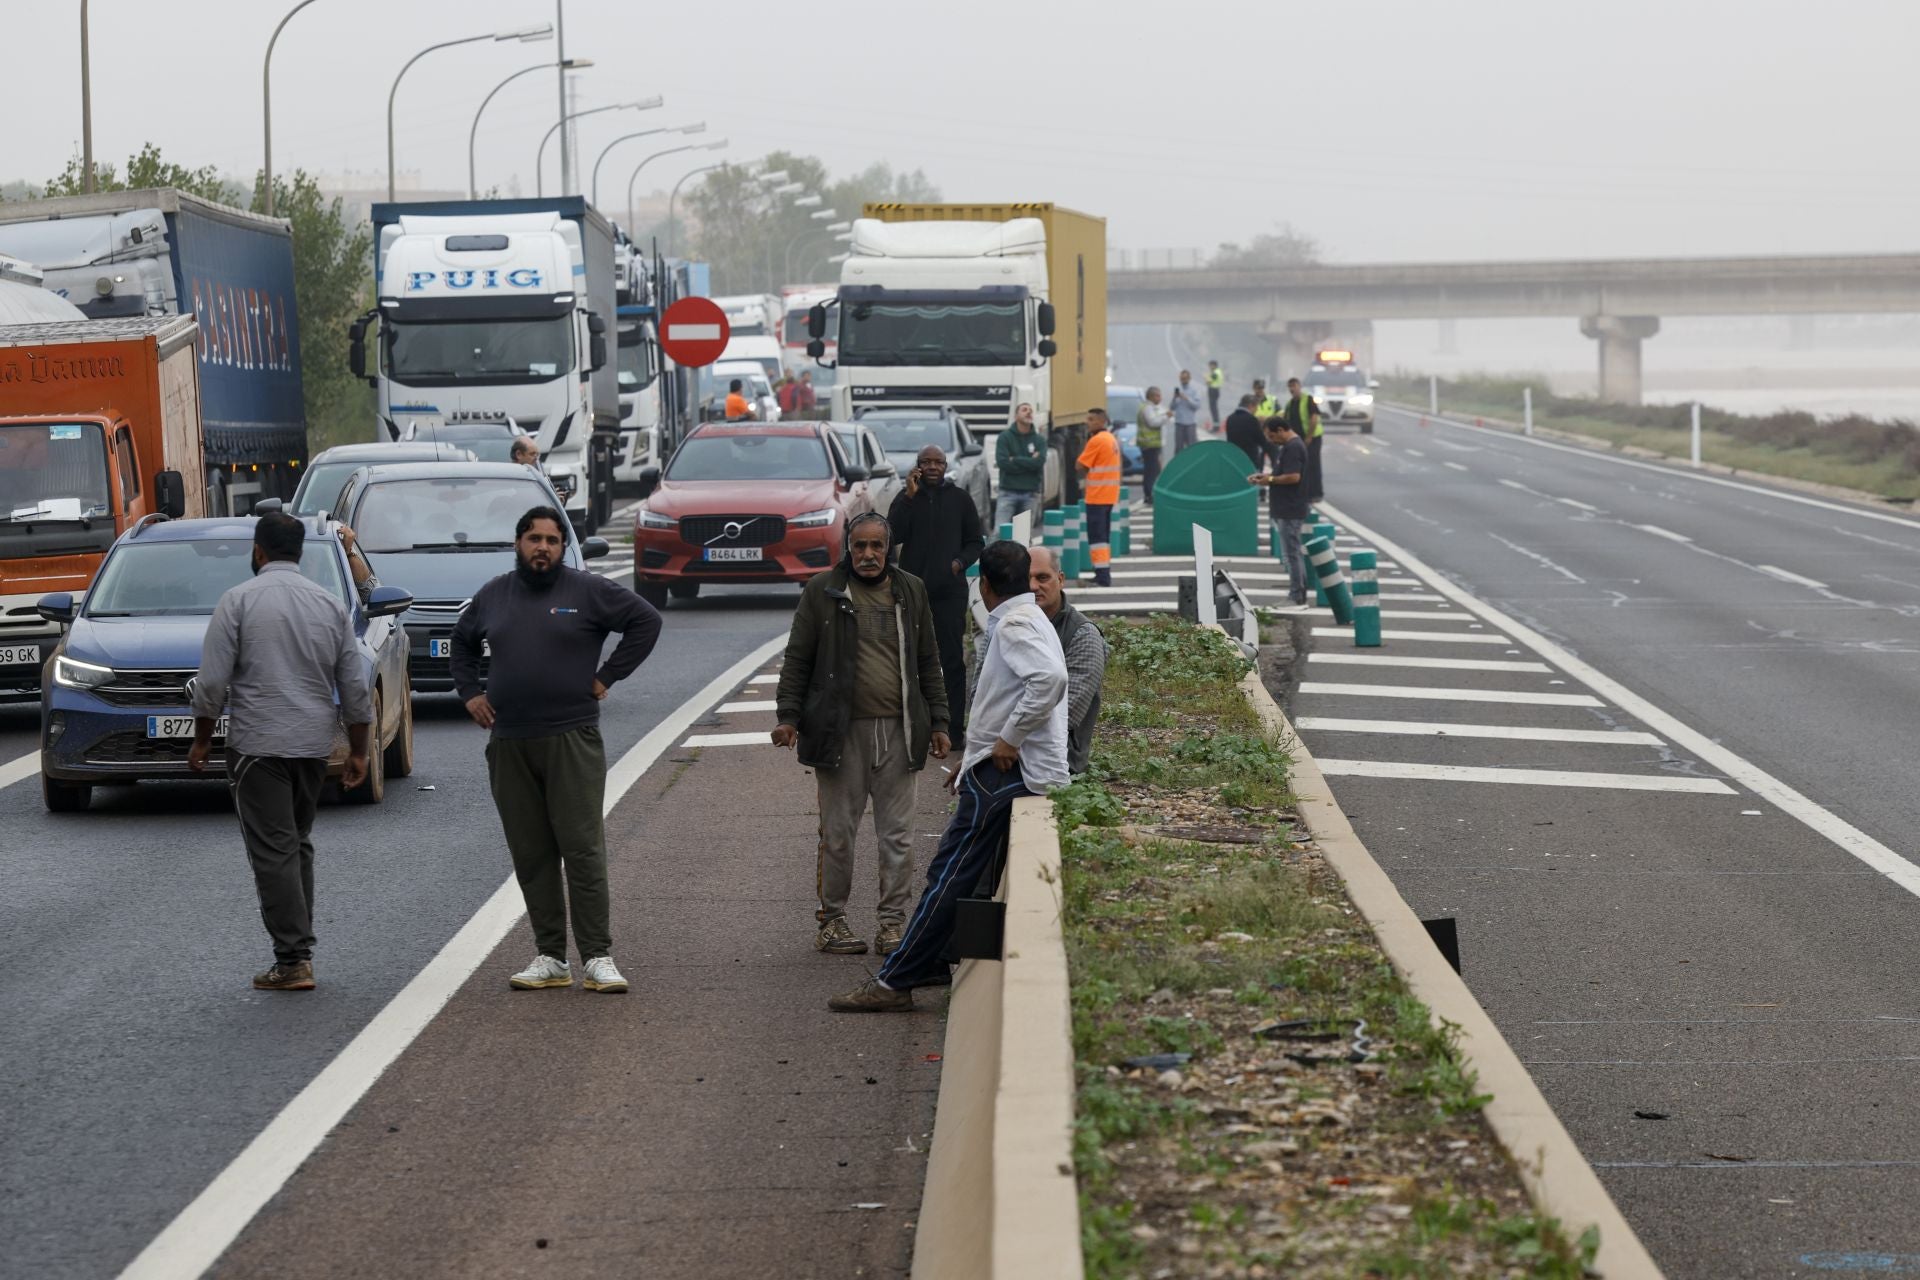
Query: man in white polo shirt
point(1017, 747)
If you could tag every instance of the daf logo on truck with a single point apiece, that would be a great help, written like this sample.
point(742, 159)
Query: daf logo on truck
point(489, 278)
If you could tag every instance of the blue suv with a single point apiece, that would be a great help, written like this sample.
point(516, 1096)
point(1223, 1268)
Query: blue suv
point(114, 706)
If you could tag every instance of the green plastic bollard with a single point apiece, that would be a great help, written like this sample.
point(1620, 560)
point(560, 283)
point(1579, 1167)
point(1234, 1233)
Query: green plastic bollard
point(1326, 568)
point(1052, 529)
point(1071, 544)
point(1122, 539)
point(1006, 531)
point(1366, 599)
point(1321, 529)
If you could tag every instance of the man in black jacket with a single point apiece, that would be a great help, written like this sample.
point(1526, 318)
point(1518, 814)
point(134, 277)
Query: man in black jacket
point(938, 532)
point(1243, 429)
point(862, 696)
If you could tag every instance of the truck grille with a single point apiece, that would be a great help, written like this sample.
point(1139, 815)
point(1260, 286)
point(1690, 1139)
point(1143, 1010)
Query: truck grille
point(983, 412)
point(146, 689)
point(752, 531)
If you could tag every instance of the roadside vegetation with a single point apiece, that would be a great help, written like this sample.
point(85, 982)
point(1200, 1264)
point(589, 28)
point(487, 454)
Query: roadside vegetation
point(1258, 1093)
point(1868, 454)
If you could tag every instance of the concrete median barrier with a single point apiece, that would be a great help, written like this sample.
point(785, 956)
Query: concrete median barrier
point(1000, 1201)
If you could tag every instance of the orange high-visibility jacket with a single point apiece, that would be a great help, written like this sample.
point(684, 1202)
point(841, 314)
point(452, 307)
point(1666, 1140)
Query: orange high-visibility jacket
point(1101, 458)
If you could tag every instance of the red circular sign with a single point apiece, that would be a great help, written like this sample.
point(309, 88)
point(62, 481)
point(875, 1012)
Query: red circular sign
point(694, 331)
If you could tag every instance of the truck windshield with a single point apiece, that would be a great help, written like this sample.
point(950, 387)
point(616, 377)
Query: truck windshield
point(446, 353)
point(445, 513)
point(750, 457)
point(142, 579)
point(52, 471)
point(893, 333)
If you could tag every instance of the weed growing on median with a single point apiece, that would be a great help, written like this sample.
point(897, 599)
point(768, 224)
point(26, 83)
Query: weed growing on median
point(1202, 939)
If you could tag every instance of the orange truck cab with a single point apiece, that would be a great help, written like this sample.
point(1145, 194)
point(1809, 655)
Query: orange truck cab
point(99, 427)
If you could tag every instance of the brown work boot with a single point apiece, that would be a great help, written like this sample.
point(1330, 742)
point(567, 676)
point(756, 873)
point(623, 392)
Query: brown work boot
point(836, 939)
point(297, 976)
point(871, 997)
point(887, 941)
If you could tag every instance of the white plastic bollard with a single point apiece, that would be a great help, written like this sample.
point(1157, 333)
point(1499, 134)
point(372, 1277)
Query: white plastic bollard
point(1433, 394)
point(1526, 398)
point(1696, 433)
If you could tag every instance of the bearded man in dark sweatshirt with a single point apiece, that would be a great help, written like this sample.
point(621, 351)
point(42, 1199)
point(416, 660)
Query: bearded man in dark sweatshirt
point(539, 631)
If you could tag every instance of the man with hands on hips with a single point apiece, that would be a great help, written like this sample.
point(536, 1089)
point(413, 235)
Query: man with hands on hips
point(538, 632)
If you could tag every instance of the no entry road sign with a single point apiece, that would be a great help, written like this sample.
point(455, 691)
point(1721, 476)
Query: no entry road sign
point(694, 332)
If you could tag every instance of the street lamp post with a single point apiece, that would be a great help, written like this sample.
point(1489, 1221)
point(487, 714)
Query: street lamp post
point(266, 98)
point(86, 106)
point(674, 196)
point(540, 158)
point(830, 228)
point(526, 35)
point(698, 127)
point(565, 65)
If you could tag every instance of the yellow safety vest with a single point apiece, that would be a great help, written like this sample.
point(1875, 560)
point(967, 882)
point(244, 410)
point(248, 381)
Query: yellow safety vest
point(1216, 378)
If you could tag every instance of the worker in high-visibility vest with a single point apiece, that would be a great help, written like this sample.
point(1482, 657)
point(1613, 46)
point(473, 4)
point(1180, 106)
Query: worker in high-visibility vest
point(1099, 466)
point(1303, 416)
point(1264, 405)
point(1216, 379)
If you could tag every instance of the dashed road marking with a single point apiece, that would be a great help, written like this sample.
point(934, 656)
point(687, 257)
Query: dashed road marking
point(768, 677)
point(20, 769)
point(1455, 466)
point(1787, 575)
point(1447, 637)
point(1658, 532)
point(729, 739)
point(1407, 771)
point(1429, 664)
point(1575, 502)
point(1512, 697)
point(768, 705)
point(1432, 729)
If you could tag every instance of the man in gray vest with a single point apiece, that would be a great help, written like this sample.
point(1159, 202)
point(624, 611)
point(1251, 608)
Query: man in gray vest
point(1085, 649)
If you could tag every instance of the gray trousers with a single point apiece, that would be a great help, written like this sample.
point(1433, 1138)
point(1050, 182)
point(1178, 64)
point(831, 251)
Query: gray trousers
point(275, 798)
point(873, 765)
point(1293, 548)
point(549, 792)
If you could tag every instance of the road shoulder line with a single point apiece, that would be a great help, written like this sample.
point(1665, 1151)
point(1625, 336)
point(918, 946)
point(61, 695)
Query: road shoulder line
point(1556, 1175)
point(197, 1237)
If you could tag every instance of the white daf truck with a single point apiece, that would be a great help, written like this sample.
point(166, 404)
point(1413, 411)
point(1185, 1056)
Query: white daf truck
point(501, 310)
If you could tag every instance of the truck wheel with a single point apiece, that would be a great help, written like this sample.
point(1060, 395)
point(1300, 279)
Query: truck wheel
point(65, 797)
point(399, 755)
point(683, 590)
point(374, 789)
point(654, 593)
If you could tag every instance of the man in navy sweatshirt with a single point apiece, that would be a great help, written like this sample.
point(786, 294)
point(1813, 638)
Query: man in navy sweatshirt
point(538, 633)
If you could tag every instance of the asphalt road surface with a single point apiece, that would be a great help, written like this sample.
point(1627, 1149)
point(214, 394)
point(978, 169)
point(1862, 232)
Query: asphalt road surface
point(136, 1060)
point(1713, 976)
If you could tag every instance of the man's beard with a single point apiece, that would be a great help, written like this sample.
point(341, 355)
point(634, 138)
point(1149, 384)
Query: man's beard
point(538, 579)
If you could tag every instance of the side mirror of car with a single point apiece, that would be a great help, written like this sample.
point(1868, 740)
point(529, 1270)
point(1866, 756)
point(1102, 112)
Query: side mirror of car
point(385, 602)
point(854, 474)
point(1048, 348)
point(357, 349)
point(594, 548)
point(883, 469)
point(971, 449)
point(170, 494)
point(649, 481)
point(57, 606)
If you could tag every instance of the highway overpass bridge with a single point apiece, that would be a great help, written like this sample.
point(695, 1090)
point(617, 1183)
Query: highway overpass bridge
point(1618, 303)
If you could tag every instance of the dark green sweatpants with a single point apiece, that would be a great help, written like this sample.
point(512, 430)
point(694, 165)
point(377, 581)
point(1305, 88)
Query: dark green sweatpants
point(550, 792)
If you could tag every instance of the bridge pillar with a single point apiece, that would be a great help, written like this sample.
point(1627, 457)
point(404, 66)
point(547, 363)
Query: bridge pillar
point(1620, 338)
point(1449, 338)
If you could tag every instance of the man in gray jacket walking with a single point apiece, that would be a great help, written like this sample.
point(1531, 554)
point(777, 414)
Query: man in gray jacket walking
point(277, 650)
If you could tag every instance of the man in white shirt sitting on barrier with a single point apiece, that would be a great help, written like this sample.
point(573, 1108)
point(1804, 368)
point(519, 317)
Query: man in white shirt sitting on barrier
point(1017, 747)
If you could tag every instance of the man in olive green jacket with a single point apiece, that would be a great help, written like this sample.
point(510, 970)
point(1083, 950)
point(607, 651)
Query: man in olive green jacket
point(863, 698)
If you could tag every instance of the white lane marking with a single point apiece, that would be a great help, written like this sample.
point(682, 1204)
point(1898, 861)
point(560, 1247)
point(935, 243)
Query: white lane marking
point(1787, 575)
point(1421, 615)
point(1416, 453)
point(768, 705)
point(1537, 558)
point(196, 1238)
point(729, 740)
point(766, 677)
point(1126, 606)
point(1515, 484)
point(1445, 637)
point(1430, 664)
point(1428, 728)
point(1509, 697)
point(19, 770)
point(1658, 532)
point(694, 332)
point(1575, 502)
point(1455, 466)
point(1676, 473)
point(1901, 871)
point(1523, 777)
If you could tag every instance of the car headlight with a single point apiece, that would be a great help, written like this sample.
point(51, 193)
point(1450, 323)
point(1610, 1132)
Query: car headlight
point(814, 519)
point(73, 674)
point(654, 520)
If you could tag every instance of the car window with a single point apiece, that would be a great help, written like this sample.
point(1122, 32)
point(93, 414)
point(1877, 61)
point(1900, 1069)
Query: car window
point(750, 457)
point(186, 578)
point(444, 513)
point(320, 490)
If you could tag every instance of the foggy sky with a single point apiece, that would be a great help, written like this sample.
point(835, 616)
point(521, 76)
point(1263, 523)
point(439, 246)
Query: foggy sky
point(1391, 130)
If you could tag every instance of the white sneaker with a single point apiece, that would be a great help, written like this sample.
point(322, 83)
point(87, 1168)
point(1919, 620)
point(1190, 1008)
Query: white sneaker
point(545, 971)
point(602, 976)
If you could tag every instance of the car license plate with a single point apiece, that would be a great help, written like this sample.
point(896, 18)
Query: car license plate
point(444, 648)
point(180, 727)
point(733, 553)
point(19, 655)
